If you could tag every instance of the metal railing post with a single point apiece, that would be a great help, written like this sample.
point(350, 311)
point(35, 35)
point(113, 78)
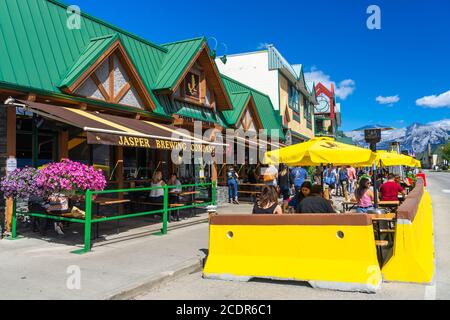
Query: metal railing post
point(166, 209)
point(214, 193)
point(14, 221)
point(87, 222)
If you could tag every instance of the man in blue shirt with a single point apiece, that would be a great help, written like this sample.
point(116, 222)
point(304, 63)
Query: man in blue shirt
point(298, 176)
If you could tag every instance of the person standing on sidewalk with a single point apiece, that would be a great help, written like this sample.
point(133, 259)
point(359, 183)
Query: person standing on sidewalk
point(298, 176)
point(343, 181)
point(330, 179)
point(351, 179)
point(232, 183)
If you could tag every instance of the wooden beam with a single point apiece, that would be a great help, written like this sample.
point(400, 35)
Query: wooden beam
point(202, 88)
point(119, 173)
point(111, 75)
point(122, 92)
point(11, 153)
point(101, 88)
point(11, 132)
point(214, 175)
point(63, 140)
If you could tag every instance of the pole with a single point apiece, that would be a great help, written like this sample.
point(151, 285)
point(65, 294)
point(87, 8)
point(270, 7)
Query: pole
point(35, 142)
point(373, 147)
point(166, 208)
point(14, 221)
point(214, 193)
point(87, 223)
point(375, 187)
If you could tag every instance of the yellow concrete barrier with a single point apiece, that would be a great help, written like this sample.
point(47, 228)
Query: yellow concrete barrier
point(328, 251)
point(413, 256)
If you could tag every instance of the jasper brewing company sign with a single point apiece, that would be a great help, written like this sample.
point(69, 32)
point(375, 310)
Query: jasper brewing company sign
point(148, 143)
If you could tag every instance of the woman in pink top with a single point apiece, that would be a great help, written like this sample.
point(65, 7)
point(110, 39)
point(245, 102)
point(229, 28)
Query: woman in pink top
point(364, 196)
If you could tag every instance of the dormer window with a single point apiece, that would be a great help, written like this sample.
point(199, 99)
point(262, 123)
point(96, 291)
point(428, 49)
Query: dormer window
point(194, 88)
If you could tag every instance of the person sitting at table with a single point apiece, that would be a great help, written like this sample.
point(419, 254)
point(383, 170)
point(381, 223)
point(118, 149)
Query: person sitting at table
point(157, 195)
point(305, 191)
point(284, 184)
point(315, 202)
point(364, 196)
point(174, 192)
point(268, 202)
point(390, 189)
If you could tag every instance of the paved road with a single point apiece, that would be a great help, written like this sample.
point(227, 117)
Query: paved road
point(194, 287)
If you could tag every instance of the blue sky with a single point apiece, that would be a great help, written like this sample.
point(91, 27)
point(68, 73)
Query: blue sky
point(408, 57)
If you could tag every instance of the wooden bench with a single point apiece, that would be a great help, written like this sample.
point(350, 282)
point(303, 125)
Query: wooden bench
point(383, 217)
point(387, 231)
point(382, 243)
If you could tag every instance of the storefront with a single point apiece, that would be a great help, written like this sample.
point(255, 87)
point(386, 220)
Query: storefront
point(257, 129)
point(102, 96)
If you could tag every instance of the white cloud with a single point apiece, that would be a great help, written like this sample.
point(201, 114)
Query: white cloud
point(343, 89)
point(388, 100)
point(440, 101)
point(263, 45)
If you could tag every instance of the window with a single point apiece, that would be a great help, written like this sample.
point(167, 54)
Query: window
point(307, 112)
point(294, 102)
point(194, 89)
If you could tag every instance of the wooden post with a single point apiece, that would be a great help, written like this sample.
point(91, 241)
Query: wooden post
point(63, 140)
point(11, 153)
point(119, 173)
point(214, 177)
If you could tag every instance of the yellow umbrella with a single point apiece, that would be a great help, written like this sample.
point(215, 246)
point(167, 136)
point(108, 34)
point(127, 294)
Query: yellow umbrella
point(320, 151)
point(392, 159)
point(417, 163)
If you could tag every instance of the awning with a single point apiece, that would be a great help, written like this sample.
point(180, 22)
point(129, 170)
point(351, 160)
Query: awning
point(108, 129)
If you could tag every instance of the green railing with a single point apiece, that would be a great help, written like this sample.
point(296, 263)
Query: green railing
point(90, 220)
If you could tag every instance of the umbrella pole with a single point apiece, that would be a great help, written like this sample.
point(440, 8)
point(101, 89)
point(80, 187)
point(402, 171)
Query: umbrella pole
point(375, 187)
point(321, 174)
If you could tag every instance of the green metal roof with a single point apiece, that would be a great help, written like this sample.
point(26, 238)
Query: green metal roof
point(187, 110)
point(179, 55)
point(38, 50)
point(239, 94)
point(239, 101)
point(93, 51)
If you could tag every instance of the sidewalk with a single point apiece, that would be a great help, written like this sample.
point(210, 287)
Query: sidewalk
point(36, 267)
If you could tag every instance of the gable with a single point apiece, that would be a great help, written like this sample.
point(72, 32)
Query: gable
point(249, 119)
point(105, 72)
point(184, 59)
point(269, 118)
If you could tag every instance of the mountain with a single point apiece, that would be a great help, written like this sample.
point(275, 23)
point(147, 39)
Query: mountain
point(414, 138)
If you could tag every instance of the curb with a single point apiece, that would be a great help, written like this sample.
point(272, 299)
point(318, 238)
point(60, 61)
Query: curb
point(183, 269)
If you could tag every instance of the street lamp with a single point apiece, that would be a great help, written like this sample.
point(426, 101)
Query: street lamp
point(372, 136)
